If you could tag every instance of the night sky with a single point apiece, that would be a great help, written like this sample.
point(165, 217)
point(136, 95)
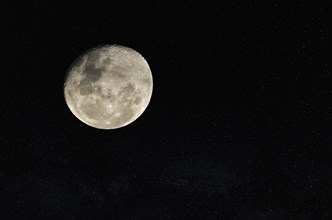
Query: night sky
point(238, 127)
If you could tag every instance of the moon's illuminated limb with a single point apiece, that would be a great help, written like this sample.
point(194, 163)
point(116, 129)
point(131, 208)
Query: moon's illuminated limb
point(108, 87)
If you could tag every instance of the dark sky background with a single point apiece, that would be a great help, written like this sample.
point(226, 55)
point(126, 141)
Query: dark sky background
point(238, 127)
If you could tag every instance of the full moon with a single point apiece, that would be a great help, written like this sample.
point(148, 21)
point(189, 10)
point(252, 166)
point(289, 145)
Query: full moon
point(108, 87)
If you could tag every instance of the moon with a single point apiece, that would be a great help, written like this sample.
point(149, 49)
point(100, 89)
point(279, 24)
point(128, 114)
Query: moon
point(108, 86)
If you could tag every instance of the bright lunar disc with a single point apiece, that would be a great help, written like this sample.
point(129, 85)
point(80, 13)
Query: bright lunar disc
point(108, 87)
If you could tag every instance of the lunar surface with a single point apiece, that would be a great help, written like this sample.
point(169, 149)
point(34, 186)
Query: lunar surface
point(108, 87)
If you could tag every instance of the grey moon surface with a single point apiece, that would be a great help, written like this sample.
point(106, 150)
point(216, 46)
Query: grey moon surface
point(109, 86)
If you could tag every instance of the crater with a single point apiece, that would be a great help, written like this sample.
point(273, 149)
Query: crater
point(107, 61)
point(108, 95)
point(129, 88)
point(138, 100)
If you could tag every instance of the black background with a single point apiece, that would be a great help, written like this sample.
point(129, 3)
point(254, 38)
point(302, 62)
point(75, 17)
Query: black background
point(238, 127)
